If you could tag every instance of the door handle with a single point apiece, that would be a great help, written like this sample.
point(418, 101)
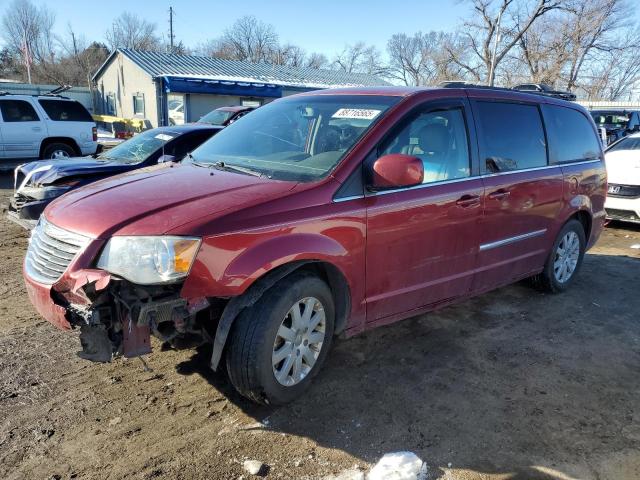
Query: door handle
point(466, 201)
point(36, 129)
point(499, 194)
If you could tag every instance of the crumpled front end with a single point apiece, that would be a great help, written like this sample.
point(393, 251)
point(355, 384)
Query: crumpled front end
point(115, 317)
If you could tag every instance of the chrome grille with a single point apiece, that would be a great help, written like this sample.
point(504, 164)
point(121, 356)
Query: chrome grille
point(51, 250)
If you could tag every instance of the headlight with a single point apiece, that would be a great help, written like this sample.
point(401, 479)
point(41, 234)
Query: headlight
point(44, 193)
point(149, 260)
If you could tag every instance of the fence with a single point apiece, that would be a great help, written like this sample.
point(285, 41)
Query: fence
point(80, 94)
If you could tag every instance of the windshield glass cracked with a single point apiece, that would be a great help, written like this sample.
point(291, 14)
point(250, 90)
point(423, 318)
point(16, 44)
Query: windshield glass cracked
point(299, 139)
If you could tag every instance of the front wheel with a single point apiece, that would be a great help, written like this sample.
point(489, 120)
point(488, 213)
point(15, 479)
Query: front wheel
point(279, 344)
point(565, 258)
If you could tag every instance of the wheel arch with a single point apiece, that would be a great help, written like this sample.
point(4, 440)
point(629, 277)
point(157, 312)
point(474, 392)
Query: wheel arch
point(68, 140)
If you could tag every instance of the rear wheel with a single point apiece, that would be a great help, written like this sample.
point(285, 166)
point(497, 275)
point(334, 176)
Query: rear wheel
point(279, 344)
point(565, 258)
point(56, 151)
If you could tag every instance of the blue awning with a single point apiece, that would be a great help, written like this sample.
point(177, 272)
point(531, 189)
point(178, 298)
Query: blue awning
point(221, 87)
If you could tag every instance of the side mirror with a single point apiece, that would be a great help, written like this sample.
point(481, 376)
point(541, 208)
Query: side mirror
point(396, 170)
point(166, 158)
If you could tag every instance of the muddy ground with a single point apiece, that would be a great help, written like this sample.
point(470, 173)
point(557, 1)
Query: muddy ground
point(515, 384)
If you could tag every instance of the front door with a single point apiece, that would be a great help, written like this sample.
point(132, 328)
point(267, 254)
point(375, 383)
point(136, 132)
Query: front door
point(22, 130)
point(523, 193)
point(422, 241)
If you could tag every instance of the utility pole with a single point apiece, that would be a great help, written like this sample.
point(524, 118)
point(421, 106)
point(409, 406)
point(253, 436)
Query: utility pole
point(171, 36)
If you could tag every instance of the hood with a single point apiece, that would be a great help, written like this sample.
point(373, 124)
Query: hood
point(155, 200)
point(623, 167)
point(46, 172)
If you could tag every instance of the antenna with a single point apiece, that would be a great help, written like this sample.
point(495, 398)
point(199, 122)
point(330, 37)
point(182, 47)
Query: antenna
point(171, 35)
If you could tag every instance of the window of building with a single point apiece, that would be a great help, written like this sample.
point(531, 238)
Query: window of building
point(138, 104)
point(512, 136)
point(17, 111)
point(571, 136)
point(111, 104)
point(437, 138)
point(65, 111)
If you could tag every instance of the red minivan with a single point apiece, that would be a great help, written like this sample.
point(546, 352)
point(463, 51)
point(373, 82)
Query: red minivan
point(320, 214)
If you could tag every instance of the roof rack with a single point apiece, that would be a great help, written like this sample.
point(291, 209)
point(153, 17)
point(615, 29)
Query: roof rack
point(532, 88)
point(60, 89)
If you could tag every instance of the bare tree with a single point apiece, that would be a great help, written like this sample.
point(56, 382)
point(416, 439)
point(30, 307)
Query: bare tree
point(248, 39)
point(27, 31)
point(422, 58)
point(360, 58)
point(130, 31)
point(288, 54)
point(498, 25)
point(317, 60)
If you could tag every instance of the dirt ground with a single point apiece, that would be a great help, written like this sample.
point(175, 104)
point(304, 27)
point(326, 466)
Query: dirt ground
point(515, 384)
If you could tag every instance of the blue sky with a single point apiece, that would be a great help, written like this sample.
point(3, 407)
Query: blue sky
point(316, 26)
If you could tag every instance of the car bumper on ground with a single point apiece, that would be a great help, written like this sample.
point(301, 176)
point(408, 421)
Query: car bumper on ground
point(624, 209)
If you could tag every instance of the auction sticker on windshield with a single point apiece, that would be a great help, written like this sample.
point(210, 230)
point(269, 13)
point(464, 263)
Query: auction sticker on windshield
point(356, 113)
point(163, 136)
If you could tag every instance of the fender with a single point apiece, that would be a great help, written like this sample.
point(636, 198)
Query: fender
point(254, 270)
point(230, 277)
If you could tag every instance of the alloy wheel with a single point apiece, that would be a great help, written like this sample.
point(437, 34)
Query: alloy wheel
point(299, 341)
point(566, 258)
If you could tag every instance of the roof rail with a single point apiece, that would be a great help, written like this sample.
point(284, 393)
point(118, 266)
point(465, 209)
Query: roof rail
point(60, 89)
point(541, 89)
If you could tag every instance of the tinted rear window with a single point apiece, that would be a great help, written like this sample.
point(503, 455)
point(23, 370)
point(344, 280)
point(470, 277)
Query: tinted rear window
point(17, 111)
point(571, 136)
point(65, 111)
point(512, 132)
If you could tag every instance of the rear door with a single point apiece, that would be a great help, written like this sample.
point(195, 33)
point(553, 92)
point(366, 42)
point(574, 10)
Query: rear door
point(69, 118)
point(523, 193)
point(22, 129)
point(422, 241)
point(1, 140)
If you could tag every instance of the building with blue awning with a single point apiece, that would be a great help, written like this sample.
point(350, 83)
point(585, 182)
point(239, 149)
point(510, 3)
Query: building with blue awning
point(174, 89)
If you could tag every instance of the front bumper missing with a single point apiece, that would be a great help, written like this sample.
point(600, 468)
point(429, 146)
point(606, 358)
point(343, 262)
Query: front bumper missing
point(115, 317)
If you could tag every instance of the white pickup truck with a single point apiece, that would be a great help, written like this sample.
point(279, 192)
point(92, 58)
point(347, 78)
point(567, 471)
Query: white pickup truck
point(45, 127)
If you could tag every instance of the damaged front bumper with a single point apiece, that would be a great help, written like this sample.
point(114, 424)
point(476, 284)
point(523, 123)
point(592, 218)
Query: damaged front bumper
point(116, 317)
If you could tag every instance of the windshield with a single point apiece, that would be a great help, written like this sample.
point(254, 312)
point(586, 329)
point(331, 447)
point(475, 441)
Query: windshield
point(627, 143)
point(298, 139)
point(138, 148)
point(610, 119)
point(216, 117)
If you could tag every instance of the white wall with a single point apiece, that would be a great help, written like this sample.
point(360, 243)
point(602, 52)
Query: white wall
point(124, 79)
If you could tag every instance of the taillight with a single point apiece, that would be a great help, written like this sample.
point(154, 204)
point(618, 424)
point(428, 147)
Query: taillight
point(121, 135)
point(94, 131)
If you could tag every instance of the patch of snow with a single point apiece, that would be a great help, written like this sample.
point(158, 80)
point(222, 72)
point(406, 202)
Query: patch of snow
point(399, 466)
point(636, 246)
point(253, 467)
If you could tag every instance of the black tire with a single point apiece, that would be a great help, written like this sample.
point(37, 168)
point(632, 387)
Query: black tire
point(251, 343)
point(547, 280)
point(50, 150)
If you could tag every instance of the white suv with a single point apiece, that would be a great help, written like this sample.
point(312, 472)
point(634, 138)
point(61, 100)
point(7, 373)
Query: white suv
point(45, 126)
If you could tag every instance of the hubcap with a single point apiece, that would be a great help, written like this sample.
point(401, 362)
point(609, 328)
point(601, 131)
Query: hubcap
point(57, 154)
point(298, 341)
point(566, 258)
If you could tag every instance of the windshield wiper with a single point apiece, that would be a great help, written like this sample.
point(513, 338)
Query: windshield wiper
point(237, 168)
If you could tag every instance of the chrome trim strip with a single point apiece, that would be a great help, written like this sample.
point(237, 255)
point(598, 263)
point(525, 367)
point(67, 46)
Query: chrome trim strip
point(346, 199)
point(546, 167)
point(425, 185)
point(510, 240)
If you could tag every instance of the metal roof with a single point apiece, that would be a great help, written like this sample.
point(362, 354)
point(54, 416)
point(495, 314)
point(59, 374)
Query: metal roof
point(164, 64)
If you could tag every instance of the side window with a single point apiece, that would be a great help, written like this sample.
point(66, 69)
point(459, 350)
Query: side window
point(437, 138)
point(571, 136)
point(65, 111)
point(17, 111)
point(512, 136)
